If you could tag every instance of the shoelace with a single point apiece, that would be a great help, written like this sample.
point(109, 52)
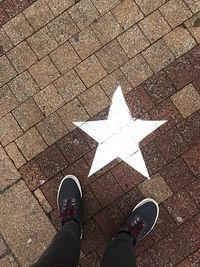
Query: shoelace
point(136, 227)
point(68, 209)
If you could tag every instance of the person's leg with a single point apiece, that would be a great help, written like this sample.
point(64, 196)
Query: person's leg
point(64, 249)
point(120, 252)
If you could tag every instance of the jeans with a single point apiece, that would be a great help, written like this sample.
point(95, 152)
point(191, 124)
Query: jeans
point(64, 250)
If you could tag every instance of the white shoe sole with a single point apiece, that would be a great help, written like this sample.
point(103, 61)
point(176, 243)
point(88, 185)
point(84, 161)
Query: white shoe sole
point(145, 201)
point(75, 180)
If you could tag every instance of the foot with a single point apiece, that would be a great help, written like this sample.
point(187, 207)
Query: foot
point(69, 199)
point(141, 220)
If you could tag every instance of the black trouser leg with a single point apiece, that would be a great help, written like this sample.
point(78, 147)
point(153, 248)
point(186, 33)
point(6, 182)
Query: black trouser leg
point(64, 250)
point(120, 252)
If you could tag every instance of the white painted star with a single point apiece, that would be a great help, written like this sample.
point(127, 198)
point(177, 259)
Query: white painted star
point(119, 136)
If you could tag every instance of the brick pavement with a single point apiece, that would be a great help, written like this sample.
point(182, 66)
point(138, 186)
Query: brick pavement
point(60, 62)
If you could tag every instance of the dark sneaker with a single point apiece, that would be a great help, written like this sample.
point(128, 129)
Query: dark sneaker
point(69, 199)
point(141, 220)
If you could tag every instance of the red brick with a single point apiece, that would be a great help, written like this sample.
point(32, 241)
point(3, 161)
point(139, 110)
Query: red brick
point(14, 7)
point(159, 87)
point(89, 157)
point(195, 258)
point(73, 146)
point(181, 72)
point(149, 138)
point(171, 144)
point(192, 158)
point(91, 142)
point(166, 111)
point(126, 176)
point(190, 129)
point(165, 252)
point(91, 259)
point(177, 175)
point(90, 204)
point(164, 226)
point(3, 15)
point(144, 244)
point(196, 220)
point(138, 102)
point(144, 260)
point(187, 238)
point(52, 161)
point(185, 263)
point(194, 190)
point(92, 237)
point(80, 169)
point(106, 189)
point(98, 116)
point(50, 188)
point(129, 200)
point(153, 158)
point(194, 57)
point(103, 114)
point(181, 206)
point(32, 174)
point(109, 220)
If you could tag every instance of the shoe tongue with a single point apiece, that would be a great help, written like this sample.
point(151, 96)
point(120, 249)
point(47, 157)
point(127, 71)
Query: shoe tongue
point(67, 209)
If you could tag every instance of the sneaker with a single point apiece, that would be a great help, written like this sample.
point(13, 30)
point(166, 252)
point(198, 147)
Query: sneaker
point(141, 220)
point(69, 199)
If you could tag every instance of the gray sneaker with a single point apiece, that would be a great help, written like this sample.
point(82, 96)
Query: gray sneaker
point(141, 220)
point(69, 199)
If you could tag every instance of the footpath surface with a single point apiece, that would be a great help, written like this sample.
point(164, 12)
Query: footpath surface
point(60, 61)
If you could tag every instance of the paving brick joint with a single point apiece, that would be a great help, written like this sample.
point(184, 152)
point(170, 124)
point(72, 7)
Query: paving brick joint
point(61, 61)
